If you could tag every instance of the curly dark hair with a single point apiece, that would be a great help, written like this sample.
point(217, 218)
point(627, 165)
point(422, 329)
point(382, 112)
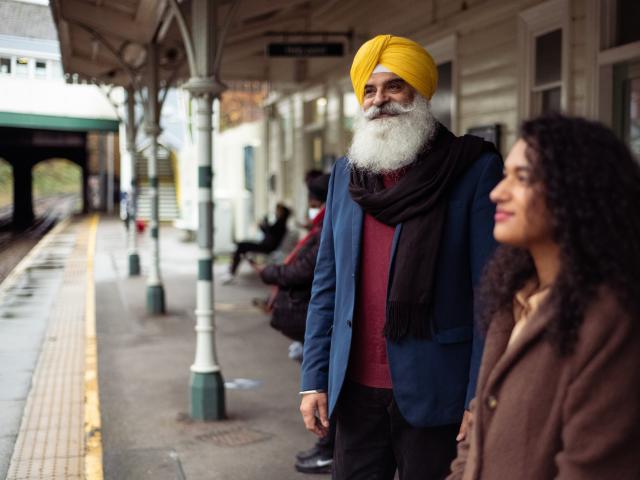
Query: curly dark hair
point(591, 185)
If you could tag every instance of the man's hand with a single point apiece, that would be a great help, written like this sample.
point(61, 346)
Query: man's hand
point(313, 408)
point(465, 426)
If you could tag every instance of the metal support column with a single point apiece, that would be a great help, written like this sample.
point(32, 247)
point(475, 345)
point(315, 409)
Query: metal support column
point(155, 290)
point(207, 385)
point(206, 390)
point(132, 200)
point(110, 172)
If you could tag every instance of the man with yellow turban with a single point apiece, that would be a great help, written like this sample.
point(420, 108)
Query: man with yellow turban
point(390, 349)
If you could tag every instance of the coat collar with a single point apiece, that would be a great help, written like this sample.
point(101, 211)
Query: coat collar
point(498, 358)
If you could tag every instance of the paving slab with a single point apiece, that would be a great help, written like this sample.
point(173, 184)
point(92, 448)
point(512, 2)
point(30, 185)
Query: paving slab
point(50, 441)
point(144, 373)
point(27, 295)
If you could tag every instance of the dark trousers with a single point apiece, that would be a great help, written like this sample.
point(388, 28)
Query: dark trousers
point(373, 440)
point(327, 442)
point(246, 247)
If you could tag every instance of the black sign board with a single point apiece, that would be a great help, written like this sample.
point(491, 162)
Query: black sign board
point(305, 49)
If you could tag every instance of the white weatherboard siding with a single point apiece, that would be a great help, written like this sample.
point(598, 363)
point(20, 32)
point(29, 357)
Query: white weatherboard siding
point(491, 42)
point(488, 78)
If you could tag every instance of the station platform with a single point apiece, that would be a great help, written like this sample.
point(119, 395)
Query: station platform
point(94, 387)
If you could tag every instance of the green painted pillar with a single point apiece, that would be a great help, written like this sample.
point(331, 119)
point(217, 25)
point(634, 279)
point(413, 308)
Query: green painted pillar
point(206, 389)
point(207, 396)
point(132, 238)
point(155, 289)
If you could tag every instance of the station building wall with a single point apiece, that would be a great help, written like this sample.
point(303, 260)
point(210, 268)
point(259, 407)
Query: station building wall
point(492, 49)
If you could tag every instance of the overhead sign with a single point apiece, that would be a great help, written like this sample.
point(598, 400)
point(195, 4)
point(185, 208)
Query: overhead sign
point(305, 49)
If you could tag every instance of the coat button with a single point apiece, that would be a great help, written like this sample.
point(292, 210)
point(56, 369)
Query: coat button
point(492, 402)
point(349, 323)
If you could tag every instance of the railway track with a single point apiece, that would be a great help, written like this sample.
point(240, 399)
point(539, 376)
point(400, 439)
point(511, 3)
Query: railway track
point(14, 245)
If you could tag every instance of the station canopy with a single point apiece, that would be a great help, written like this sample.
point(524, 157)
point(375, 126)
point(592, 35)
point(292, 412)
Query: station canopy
point(280, 41)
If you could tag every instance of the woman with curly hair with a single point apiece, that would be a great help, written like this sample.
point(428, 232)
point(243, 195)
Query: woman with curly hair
point(558, 394)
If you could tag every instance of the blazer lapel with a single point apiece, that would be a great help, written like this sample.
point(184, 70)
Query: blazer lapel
point(357, 218)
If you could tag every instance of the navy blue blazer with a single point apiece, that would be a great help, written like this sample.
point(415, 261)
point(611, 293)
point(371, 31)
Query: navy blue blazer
point(433, 380)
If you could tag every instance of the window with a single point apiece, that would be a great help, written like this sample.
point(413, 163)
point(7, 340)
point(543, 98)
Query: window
point(350, 110)
point(22, 67)
point(249, 167)
point(547, 87)
point(544, 52)
point(626, 108)
point(41, 69)
point(5, 65)
point(615, 71)
point(627, 22)
point(315, 111)
point(442, 101)
point(632, 112)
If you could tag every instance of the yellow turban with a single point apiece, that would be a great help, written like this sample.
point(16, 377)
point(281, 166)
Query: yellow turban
point(402, 56)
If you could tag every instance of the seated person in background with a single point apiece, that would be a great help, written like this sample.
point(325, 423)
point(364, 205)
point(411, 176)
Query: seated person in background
point(273, 235)
point(289, 303)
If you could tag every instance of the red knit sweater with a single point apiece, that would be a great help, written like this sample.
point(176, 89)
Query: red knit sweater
point(368, 363)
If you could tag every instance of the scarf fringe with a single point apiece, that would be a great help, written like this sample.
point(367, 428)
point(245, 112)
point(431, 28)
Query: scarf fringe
point(404, 319)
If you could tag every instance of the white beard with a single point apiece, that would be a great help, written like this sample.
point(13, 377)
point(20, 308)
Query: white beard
point(382, 145)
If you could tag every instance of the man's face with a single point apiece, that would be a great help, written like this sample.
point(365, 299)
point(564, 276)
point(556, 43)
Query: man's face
point(385, 87)
point(394, 125)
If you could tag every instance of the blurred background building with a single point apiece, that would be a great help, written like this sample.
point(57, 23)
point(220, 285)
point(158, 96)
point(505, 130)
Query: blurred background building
point(57, 131)
point(290, 108)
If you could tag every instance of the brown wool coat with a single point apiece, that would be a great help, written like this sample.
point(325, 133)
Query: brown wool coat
point(539, 416)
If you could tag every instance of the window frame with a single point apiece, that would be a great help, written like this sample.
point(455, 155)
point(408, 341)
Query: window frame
point(45, 71)
point(442, 51)
point(602, 56)
point(533, 23)
point(11, 60)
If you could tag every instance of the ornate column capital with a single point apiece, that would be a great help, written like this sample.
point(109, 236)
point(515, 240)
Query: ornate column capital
point(198, 86)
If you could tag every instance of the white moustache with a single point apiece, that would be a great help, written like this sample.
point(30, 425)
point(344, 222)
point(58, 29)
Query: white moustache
point(392, 142)
point(389, 108)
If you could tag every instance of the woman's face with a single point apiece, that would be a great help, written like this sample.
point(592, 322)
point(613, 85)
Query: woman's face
point(522, 218)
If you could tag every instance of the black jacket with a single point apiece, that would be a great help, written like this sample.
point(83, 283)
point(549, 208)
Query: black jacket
point(273, 234)
point(294, 289)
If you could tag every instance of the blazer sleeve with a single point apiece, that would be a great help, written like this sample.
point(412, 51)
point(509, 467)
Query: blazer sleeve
point(601, 410)
point(482, 245)
point(317, 338)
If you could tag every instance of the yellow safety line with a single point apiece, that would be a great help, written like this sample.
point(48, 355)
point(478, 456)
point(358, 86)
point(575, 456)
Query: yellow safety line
point(92, 425)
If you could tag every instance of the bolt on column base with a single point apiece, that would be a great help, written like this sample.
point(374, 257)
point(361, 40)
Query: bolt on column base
point(155, 299)
point(134, 264)
point(206, 396)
